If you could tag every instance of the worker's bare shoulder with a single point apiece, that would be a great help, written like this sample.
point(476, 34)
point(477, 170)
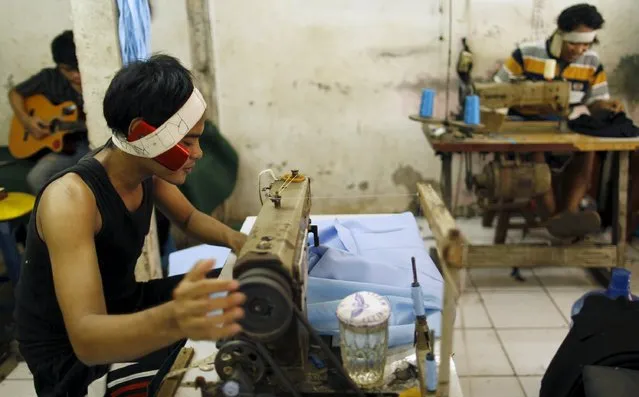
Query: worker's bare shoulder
point(67, 199)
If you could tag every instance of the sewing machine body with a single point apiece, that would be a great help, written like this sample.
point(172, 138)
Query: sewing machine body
point(551, 98)
point(273, 355)
point(272, 269)
point(554, 94)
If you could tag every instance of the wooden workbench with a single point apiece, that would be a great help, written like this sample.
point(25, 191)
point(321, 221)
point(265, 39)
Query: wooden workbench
point(454, 253)
point(527, 140)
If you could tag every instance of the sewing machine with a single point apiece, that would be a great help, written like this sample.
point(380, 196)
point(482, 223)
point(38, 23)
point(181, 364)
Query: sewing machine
point(274, 356)
point(507, 185)
point(547, 97)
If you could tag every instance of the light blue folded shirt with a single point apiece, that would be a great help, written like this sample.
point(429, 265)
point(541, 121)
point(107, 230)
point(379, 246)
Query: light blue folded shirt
point(372, 254)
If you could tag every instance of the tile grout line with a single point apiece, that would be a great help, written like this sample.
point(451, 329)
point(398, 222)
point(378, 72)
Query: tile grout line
point(555, 304)
point(516, 328)
point(501, 343)
point(500, 376)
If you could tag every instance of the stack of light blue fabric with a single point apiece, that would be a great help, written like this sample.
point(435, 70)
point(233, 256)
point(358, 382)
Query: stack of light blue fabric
point(372, 254)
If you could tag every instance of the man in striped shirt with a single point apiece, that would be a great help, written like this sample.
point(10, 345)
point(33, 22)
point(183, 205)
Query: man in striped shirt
point(569, 50)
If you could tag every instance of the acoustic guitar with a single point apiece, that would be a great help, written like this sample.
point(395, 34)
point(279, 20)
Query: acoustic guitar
point(62, 119)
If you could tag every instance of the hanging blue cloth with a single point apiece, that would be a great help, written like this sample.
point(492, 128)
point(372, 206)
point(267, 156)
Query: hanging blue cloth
point(134, 29)
point(372, 254)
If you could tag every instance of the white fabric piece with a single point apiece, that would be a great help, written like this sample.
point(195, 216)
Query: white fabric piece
point(146, 374)
point(555, 44)
point(576, 97)
point(579, 37)
point(169, 134)
point(98, 387)
point(549, 69)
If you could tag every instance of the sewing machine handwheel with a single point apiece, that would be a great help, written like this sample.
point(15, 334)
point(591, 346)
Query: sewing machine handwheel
point(268, 309)
point(239, 355)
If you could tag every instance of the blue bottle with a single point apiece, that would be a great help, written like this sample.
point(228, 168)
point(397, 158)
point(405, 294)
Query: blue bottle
point(619, 286)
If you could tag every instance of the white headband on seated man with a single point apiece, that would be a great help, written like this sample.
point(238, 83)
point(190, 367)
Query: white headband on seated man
point(579, 37)
point(559, 37)
point(169, 134)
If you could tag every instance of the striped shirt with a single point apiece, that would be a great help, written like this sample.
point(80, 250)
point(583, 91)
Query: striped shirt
point(587, 78)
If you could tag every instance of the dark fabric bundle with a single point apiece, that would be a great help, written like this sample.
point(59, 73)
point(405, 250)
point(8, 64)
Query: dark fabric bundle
point(604, 333)
point(605, 124)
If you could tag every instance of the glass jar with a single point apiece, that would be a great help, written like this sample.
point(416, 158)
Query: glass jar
point(363, 319)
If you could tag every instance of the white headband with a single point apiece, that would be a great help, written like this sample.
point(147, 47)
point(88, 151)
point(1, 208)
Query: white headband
point(579, 37)
point(170, 133)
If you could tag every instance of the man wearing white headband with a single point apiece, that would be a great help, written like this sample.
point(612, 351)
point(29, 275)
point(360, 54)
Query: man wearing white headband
point(566, 55)
point(79, 308)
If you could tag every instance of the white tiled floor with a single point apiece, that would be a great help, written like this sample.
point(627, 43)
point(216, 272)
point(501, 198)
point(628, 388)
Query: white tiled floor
point(523, 327)
point(506, 331)
point(18, 384)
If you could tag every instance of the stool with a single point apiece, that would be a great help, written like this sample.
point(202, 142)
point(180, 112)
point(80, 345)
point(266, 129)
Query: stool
point(505, 211)
point(13, 207)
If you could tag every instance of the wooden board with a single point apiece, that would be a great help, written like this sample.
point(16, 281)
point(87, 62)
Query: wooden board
point(552, 127)
point(442, 122)
point(169, 386)
point(523, 137)
point(530, 255)
point(532, 142)
point(450, 243)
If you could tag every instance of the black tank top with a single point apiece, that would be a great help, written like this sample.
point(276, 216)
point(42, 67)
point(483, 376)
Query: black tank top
point(41, 332)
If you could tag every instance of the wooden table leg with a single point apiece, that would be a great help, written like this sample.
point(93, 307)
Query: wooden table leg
point(488, 217)
point(447, 179)
point(622, 208)
point(451, 296)
point(501, 231)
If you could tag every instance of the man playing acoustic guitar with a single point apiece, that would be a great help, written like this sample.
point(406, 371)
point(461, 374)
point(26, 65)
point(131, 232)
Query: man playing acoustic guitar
point(58, 85)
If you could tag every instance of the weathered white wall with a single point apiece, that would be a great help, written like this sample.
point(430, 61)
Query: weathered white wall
point(169, 29)
point(326, 85)
point(27, 28)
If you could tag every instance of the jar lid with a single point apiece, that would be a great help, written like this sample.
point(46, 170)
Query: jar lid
point(364, 309)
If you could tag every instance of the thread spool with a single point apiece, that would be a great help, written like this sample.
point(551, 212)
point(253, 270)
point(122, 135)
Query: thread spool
point(549, 69)
point(418, 301)
point(431, 373)
point(471, 110)
point(416, 293)
point(427, 104)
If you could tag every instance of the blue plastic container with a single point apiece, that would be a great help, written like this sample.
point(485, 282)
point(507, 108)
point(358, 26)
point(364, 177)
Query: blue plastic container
point(619, 287)
point(428, 102)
